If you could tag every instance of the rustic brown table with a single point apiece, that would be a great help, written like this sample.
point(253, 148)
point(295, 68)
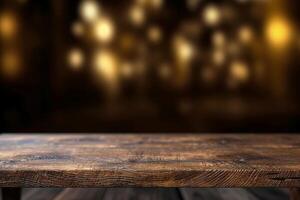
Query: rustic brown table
point(149, 160)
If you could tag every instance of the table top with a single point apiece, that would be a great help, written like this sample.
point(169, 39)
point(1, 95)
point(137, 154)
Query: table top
point(150, 160)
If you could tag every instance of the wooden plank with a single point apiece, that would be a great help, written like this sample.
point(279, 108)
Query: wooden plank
point(141, 193)
point(146, 160)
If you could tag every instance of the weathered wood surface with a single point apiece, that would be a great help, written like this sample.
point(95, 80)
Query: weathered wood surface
point(146, 160)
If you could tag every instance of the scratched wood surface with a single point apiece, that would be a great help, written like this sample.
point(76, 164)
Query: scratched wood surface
point(146, 160)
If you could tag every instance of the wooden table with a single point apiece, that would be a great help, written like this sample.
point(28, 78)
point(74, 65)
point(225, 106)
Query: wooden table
point(149, 160)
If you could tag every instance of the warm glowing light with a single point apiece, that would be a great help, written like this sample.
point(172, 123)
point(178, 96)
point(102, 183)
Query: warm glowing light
point(219, 57)
point(278, 32)
point(183, 49)
point(89, 10)
point(154, 34)
point(165, 70)
point(10, 64)
point(77, 29)
point(8, 25)
point(75, 59)
point(127, 70)
point(234, 48)
point(104, 30)
point(137, 15)
point(218, 39)
point(212, 15)
point(106, 65)
point(156, 4)
point(192, 4)
point(142, 2)
point(239, 71)
point(245, 34)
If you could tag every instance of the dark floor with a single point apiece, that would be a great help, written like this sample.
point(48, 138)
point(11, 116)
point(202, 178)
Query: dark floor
point(155, 194)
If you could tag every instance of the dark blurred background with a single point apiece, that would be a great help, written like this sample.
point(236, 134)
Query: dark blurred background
point(150, 66)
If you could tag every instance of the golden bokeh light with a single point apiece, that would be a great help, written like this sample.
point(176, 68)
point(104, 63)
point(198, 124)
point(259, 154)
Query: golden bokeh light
point(156, 4)
point(137, 15)
point(239, 71)
point(184, 50)
point(106, 65)
point(77, 29)
point(75, 59)
point(212, 15)
point(154, 34)
point(127, 70)
point(278, 32)
point(8, 25)
point(104, 30)
point(165, 70)
point(192, 4)
point(10, 64)
point(218, 39)
point(89, 10)
point(245, 34)
point(218, 57)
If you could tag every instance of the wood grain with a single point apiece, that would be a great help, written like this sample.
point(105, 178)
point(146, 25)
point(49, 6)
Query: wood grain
point(146, 160)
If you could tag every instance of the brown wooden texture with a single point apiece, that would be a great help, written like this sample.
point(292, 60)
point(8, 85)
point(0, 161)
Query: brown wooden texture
point(183, 160)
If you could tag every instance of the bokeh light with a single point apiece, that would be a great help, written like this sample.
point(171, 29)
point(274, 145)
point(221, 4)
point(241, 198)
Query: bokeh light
point(8, 25)
point(10, 64)
point(106, 65)
point(104, 30)
point(154, 34)
point(184, 50)
point(239, 71)
point(89, 10)
point(76, 58)
point(78, 29)
point(278, 32)
point(137, 15)
point(245, 34)
point(212, 15)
